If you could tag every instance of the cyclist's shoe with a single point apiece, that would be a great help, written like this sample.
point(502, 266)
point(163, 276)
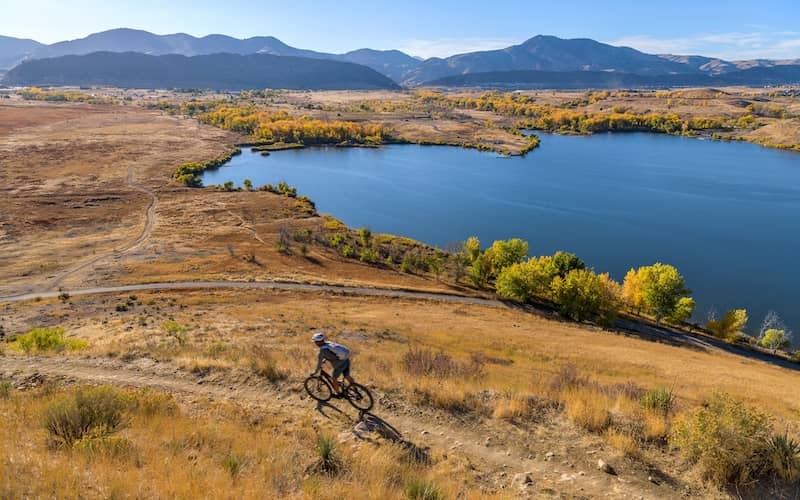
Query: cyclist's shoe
point(338, 395)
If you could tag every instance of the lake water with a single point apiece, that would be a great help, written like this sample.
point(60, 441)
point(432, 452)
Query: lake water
point(726, 214)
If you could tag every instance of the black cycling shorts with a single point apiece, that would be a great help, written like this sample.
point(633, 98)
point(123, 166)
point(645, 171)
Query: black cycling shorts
point(341, 368)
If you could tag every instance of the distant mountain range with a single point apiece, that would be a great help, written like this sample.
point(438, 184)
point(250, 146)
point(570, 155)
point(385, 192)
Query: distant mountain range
point(217, 71)
point(536, 61)
point(392, 63)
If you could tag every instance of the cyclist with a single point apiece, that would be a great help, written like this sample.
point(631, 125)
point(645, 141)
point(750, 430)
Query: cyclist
point(335, 354)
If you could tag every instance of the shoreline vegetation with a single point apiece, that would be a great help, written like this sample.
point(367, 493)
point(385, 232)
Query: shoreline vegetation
point(567, 119)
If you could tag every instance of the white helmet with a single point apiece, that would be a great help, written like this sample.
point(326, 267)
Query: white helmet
point(318, 337)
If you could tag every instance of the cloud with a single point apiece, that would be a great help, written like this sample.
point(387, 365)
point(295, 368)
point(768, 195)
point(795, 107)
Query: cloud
point(731, 46)
point(445, 47)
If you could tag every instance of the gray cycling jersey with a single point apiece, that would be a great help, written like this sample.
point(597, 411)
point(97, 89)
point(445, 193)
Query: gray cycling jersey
point(326, 353)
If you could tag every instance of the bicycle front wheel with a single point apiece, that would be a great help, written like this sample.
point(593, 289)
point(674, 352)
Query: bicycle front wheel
point(360, 397)
point(318, 388)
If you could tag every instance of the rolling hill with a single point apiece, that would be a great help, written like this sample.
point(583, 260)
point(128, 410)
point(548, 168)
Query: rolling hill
point(216, 71)
point(392, 63)
point(13, 50)
point(775, 75)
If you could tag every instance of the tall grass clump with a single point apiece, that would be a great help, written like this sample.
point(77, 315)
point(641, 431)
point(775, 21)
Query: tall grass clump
point(425, 362)
point(92, 412)
point(234, 463)
point(727, 439)
point(47, 339)
point(660, 400)
point(328, 462)
point(5, 389)
point(784, 454)
point(420, 489)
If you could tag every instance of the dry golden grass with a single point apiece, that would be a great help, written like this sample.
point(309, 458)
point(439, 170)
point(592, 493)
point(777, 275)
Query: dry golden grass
point(588, 408)
point(207, 450)
point(624, 442)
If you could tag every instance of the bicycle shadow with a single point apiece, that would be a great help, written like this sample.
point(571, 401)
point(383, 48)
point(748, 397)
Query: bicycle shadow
point(370, 427)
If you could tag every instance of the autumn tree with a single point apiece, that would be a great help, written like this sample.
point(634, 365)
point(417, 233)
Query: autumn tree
point(729, 327)
point(583, 295)
point(508, 252)
point(659, 287)
point(632, 291)
point(775, 339)
point(524, 281)
point(566, 262)
point(683, 310)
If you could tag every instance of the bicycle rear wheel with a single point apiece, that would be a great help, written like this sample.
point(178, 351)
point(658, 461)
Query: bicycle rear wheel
point(318, 388)
point(360, 397)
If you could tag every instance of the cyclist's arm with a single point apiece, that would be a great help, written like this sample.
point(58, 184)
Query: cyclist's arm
point(320, 359)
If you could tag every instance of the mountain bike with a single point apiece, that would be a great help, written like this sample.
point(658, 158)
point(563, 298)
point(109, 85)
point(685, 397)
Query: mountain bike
point(320, 388)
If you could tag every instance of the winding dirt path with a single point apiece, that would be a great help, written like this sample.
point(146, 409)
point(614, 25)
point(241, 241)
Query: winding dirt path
point(149, 223)
point(496, 463)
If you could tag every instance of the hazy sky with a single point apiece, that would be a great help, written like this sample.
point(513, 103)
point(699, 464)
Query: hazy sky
point(734, 29)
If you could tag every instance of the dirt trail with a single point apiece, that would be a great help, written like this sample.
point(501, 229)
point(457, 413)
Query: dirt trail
point(149, 222)
point(497, 464)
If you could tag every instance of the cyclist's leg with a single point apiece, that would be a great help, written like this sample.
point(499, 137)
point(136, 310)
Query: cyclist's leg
point(346, 373)
point(338, 369)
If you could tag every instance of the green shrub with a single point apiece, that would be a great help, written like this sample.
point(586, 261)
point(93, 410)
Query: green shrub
point(92, 412)
point(726, 439)
point(175, 330)
point(347, 251)
point(369, 255)
point(5, 389)
point(660, 399)
point(48, 339)
point(420, 489)
point(785, 456)
point(366, 236)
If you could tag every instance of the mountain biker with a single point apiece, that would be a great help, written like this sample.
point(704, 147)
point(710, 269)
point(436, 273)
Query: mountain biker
point(335, 354)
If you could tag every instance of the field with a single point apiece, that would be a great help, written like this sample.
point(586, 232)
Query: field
point(482, 393)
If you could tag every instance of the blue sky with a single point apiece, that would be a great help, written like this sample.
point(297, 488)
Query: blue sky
point(735, 29)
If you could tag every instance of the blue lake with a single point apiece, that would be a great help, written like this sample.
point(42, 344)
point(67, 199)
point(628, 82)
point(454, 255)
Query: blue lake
point(726, 214)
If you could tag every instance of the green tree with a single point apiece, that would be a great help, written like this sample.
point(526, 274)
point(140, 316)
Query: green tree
point(662, 288)
point(566, 262)
point(775, 339)
point(508, 252)
point(472, 247)
point(729, 327)
point(366, 236)
point(248, 184)
point(582, 295)
point(683, 310)
point(526, 280)
point(480, 270)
